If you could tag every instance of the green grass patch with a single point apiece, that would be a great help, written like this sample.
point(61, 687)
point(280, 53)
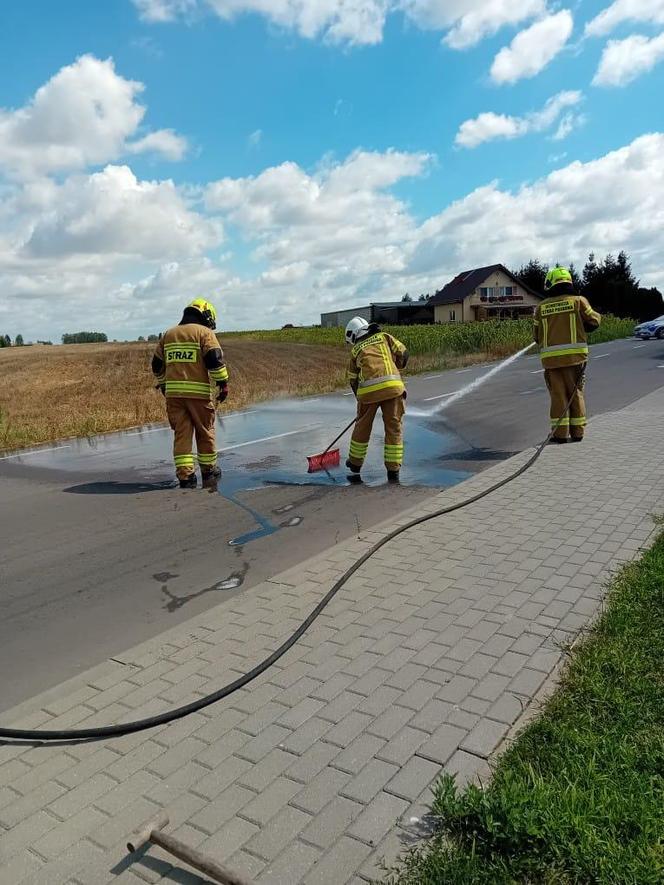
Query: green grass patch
point(495, 337)
point(579, 798)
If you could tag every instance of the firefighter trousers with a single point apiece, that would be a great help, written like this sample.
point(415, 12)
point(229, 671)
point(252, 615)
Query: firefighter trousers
point(189, 416)
point(393, 412)
point(567, 384)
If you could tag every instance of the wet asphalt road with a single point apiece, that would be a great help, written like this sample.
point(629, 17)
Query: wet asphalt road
point(99, 551)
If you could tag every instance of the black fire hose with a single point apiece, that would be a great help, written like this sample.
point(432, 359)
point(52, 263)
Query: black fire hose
point(109, 731)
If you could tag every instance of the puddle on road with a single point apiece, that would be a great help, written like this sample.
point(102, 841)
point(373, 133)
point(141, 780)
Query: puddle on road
point(121, 488)
point(265, 447)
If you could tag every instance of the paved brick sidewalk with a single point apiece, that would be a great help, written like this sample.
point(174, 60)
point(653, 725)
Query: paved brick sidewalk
point(425, 660)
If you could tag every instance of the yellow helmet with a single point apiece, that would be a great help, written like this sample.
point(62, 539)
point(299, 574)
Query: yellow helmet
point(207, 311)
point(557, 275)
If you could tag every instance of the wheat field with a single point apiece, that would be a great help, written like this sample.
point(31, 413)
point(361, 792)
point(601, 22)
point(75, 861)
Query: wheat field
point(50, 393)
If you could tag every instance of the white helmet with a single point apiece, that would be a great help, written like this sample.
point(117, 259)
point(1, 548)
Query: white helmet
point(355, 329)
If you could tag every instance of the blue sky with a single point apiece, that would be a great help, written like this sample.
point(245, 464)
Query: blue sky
point(286, 160)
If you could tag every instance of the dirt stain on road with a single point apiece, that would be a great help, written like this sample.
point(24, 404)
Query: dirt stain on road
point(232, 582)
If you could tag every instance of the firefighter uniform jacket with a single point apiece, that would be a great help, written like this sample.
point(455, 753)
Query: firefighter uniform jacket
point(561, 326)
point(374, 368)
point(187, 359)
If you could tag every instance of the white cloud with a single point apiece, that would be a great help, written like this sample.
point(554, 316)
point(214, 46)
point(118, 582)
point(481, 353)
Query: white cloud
point(335, 237)
point(255, 138)
point(86, 114)
point(469, 21)
point(342, 216)
point(361, 22)
point(125, 254)
point(155, 301)
point(490, 126)
point(165, 142)
point(624, 60)
point(338, 21)
point(163, 10)
point(567, 125)
point(286, 195)
point(612, 203)
point(533, 49)
point(286, 275)
point(111, 213)
point(621, 11)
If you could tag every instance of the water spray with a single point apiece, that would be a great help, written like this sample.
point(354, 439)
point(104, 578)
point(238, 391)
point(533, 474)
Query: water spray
point(459, 394)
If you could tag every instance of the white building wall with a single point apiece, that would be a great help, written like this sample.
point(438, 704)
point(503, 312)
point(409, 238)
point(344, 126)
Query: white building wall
point(448, 313)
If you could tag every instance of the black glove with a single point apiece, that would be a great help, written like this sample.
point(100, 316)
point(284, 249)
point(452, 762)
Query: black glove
point(405, 394)
point(223, 393)
point(161, 388)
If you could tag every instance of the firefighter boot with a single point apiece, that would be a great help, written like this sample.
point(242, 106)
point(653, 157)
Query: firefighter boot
point(354, 468)
point(393, 476)
point(211, 473)
point(211, 477)
point(189, 483)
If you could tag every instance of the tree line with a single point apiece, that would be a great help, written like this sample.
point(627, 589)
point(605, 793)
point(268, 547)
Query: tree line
point(609, 285)
point(84, 338)
point(6, 341)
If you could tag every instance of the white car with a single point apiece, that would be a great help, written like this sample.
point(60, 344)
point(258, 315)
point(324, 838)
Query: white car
point(651, 329)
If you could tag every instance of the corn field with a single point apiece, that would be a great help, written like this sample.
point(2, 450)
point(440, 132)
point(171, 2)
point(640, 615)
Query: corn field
point(499, 337)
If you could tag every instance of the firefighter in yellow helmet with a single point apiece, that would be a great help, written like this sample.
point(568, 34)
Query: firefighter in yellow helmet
point(562, 322)
point(190, 369)
point(374, 373)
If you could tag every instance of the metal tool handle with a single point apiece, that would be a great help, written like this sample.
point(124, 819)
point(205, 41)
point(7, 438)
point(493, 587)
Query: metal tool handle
point(345, 430)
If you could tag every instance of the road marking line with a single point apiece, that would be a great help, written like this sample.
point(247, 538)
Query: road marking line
point(440, 396)
point(660, 367)
point(599, 356)
point(636, 346)
point(537, 372)
point(236, 414)
point(36, 452)
point(220, 415)
point(348, 394)
point(533, 390)
point(461, 371)
point(253, 442)
point(141, 432)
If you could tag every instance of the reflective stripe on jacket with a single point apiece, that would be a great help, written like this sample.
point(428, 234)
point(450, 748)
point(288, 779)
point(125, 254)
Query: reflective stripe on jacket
point(374, 365)
point(190, 362)
point(561, 325)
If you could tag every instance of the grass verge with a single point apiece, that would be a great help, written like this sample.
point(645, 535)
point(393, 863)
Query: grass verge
point(579, 797)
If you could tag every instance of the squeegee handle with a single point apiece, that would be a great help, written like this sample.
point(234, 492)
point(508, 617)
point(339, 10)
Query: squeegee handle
point(334, 441)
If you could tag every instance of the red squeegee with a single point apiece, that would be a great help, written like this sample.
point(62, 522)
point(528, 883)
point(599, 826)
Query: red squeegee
point(330, 457)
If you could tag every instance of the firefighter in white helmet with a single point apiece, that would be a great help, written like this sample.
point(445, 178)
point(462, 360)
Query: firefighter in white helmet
point(374, 373)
